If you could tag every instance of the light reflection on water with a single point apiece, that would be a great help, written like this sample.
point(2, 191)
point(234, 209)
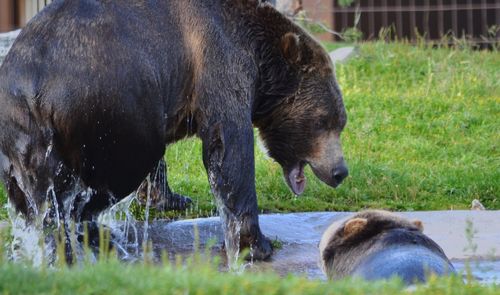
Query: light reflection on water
point(484, 271)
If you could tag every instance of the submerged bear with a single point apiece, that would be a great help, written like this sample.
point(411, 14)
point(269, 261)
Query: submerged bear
point(377, 245)
point(92, 92)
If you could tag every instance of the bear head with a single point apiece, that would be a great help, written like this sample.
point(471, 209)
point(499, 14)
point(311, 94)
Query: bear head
point(363, 226)
point(299, 110)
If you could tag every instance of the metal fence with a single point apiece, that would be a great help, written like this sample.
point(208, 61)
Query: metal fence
point(16, 13)
point(32, 7)
point(477, 20)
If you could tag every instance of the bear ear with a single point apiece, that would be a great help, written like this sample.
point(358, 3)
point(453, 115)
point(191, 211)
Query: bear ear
point(354, 226)
point(290, 47)
point(418, 224)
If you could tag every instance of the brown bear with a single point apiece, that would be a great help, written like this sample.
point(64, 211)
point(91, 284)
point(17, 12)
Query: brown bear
point(92, 92)
point(376, 245)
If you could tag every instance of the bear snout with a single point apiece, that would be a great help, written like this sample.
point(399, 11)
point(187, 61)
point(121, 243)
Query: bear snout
point(339, 173)
point(332, 174)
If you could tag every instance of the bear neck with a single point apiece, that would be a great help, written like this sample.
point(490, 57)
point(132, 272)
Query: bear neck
point(260, 33)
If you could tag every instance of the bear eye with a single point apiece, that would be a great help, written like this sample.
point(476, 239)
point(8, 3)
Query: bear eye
point(321, 124)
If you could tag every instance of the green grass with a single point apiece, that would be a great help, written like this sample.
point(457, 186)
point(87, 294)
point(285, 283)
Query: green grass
point(424, 129)
point(3, 202)
point(423, 134)
point(331, 46)
point(198, 278)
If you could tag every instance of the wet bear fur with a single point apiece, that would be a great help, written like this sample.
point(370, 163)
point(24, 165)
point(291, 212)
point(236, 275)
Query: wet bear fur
point(377, 245)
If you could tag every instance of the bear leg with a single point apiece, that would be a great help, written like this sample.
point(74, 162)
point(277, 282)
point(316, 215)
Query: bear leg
point(161, 196)
point(229, 159)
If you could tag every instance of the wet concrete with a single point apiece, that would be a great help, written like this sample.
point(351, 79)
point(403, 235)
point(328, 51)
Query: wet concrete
point(299, 234)
point(6, 40)
point(343, 54)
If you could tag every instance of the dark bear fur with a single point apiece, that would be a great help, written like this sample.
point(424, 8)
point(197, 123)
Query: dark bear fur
point(378, 245)
point(93, 91)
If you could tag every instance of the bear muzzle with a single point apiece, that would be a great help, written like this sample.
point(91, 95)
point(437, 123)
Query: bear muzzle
point(296, 179)
point(327, 160)
point(339, 174)
point(331, 176)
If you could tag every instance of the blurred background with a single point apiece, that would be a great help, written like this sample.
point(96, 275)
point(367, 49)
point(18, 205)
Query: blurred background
point(478, 21)
point(353, 20)
point(14, 14)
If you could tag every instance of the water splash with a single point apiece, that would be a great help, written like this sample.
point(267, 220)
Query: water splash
point(123, 226)
point(146, 213)
point(28, 241)
point(35, 241)
point(231, 228)
point(52, 214)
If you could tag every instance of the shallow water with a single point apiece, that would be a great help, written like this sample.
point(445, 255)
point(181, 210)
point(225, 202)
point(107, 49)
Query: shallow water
point(6, 40)
point(487, 272)
point(299, 234)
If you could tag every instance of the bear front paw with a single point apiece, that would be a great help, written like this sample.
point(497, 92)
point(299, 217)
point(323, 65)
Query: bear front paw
point(262, 249)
